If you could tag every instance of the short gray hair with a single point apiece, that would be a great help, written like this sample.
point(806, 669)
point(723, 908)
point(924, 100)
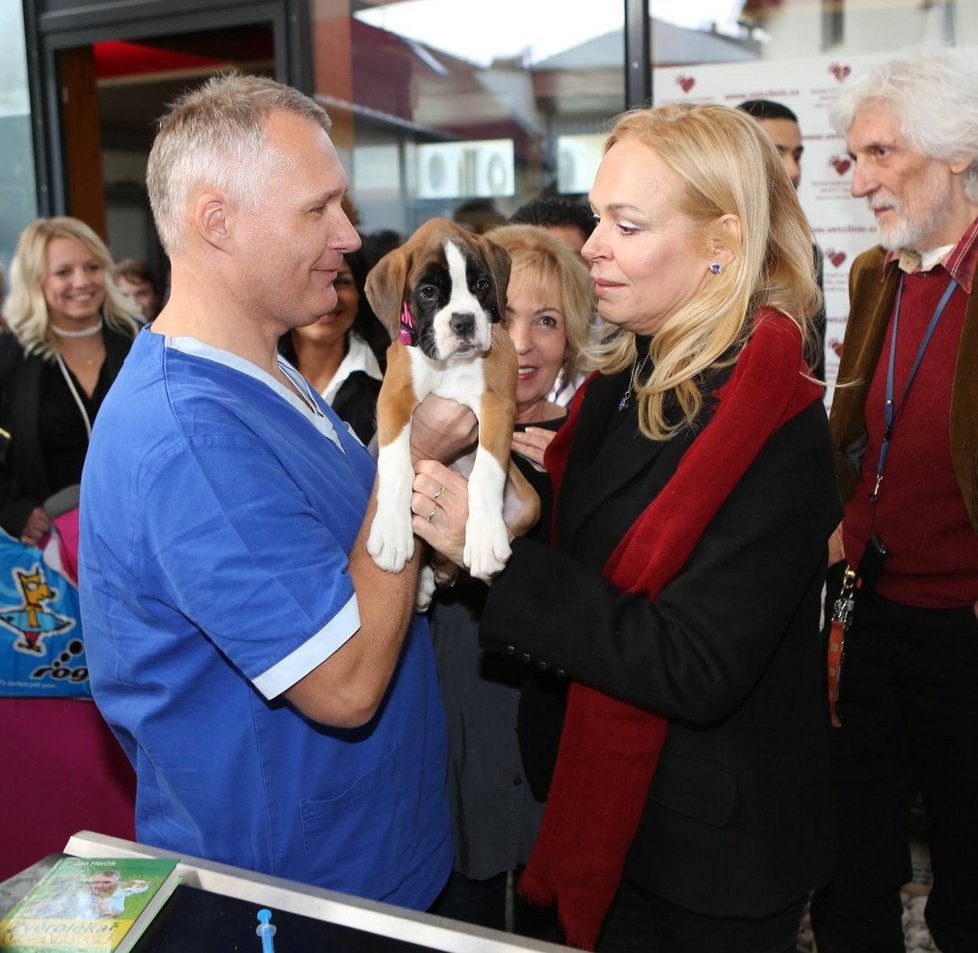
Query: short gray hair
point(215, 135)
point(934, 100)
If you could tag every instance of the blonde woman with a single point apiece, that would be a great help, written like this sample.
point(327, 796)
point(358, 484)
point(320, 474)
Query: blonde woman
point(689, 808)
point(70, 330)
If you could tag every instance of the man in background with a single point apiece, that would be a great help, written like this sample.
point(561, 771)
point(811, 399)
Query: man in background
point(781, 124)
point(905, 428)
point(136, 279)
point(568, 219)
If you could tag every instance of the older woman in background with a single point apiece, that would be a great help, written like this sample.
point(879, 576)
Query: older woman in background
point(689, 808)
point(70, 330)
point(496, 814)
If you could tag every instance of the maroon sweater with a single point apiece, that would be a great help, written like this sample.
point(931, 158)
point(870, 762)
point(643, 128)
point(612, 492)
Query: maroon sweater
point(920, 516)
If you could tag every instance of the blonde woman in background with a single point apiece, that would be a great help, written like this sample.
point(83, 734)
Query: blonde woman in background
point(70, 329)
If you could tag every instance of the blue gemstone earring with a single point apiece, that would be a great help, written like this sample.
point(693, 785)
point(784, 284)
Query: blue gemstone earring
point(716, 268)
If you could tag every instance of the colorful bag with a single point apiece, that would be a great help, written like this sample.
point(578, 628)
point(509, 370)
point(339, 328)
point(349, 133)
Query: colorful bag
point(42, 654)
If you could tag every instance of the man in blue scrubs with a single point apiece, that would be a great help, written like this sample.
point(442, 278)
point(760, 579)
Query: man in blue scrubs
point(273, 688)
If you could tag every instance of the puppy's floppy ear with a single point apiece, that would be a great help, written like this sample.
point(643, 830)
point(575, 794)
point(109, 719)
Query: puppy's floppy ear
point(385, 287)
point(498, 261)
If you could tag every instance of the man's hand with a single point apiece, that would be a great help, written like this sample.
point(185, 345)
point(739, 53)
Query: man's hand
point(38, 525)
point(442, 430)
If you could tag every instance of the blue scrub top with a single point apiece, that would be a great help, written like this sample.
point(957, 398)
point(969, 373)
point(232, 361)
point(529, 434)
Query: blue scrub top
point(217, 512)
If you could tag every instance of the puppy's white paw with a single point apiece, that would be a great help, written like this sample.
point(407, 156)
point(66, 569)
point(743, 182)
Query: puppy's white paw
point(391, 541)
point(486, 546)
point(426, 588)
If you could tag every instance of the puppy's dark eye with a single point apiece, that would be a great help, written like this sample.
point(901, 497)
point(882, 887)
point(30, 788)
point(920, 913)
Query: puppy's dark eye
point(482, 285)
point(427, 292)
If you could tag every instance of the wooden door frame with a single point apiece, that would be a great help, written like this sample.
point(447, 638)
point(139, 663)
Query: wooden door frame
point(48, 33)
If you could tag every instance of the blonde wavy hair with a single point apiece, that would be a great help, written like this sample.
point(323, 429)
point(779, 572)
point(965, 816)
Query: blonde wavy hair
point(727, 165)
point(26, 310)
point(549, 259)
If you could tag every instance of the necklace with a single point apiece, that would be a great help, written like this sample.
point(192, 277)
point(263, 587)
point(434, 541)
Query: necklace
point(94, 351)
point(637, 371)
point(84, 333)
point(89, 361)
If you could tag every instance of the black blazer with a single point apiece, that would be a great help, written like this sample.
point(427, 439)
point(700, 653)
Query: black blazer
point(737, 821)
point(24, 482)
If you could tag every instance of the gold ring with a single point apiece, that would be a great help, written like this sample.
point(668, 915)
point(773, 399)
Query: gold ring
point(432, 515)
point(441, 489)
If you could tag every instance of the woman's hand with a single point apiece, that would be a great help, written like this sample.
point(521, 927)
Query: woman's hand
point(442, 430)
point(440, 504)
point(532, 444)
point(38, 525)
point(836, 550)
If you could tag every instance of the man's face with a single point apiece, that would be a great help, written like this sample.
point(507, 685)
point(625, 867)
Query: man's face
point(911, 195)
point(573, 237)
point(143, 293)
point(787, 140)
point(290, 249)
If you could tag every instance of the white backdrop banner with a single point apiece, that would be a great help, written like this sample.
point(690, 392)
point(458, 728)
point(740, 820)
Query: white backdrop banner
point(842, 226)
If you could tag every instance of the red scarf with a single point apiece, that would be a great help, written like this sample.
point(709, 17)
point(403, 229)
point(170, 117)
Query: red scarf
point(609, 749)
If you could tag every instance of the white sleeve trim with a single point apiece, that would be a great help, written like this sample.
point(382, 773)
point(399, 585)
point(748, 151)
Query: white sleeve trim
point(312, 653)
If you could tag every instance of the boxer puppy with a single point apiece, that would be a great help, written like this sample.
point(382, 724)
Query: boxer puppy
point(442, 295)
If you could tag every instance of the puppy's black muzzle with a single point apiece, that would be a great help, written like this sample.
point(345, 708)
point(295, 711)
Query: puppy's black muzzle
point(462, 324)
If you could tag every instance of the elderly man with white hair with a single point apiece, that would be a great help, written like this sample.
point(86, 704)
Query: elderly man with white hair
point(905, 426)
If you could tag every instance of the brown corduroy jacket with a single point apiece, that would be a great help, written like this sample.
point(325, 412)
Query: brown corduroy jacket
point(870, 305)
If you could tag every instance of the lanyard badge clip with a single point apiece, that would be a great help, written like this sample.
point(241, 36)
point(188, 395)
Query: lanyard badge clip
point(841, 621)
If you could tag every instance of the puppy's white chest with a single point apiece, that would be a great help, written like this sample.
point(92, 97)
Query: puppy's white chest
point(463, 382)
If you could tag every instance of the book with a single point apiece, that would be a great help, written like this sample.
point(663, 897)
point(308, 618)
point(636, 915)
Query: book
point(85, 905)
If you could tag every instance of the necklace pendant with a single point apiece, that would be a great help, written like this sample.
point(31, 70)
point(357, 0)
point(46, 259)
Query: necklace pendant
point(623, 403)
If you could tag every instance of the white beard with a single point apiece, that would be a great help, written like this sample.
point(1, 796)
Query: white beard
point(914, 228)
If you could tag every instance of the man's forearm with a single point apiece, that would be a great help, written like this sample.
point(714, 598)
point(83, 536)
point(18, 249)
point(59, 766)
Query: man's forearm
point(346, 689)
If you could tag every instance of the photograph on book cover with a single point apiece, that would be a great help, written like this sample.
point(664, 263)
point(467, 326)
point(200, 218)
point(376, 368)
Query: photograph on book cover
point(89, 904)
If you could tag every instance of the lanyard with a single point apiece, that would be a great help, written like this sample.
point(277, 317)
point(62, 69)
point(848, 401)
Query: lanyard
point(889, 414)
point(77, 396)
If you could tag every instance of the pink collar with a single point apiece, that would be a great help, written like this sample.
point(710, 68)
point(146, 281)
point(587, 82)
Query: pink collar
point(409, 334)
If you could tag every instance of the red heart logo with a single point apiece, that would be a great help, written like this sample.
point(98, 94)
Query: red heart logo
point(836, 346)
point(686, 83)
point(837, 257)
point(839, 71)
point(840, 164)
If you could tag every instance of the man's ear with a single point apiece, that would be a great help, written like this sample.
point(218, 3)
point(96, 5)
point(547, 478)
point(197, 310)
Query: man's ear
point(212, 217)
point(725, 248)
point(960, 166)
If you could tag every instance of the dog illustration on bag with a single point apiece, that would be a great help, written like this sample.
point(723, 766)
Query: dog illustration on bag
point(32, 620)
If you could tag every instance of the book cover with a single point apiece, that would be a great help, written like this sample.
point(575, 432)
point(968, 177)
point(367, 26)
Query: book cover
point(89, 904)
